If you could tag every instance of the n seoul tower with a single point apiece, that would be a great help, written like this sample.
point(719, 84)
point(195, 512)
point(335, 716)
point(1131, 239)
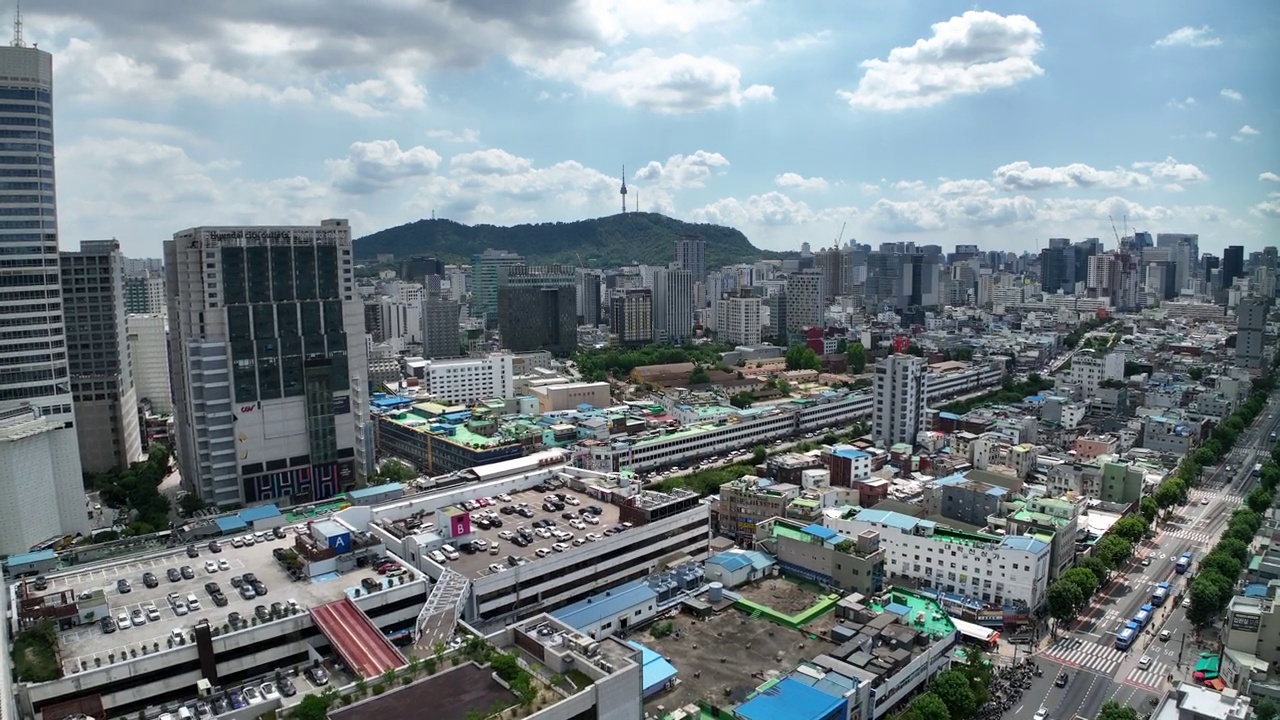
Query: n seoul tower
point(623, 191)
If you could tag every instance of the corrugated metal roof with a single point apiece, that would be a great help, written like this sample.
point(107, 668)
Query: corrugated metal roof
point(1022, 542)
point(230, 523)
point(790, 699)
point(375, 491)
point(818, 531)
point(586, 613)
point(730, 561)
point(258, 512)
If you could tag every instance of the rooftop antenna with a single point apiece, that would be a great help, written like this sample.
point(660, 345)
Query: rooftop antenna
point(623, 191)
point(17, 27)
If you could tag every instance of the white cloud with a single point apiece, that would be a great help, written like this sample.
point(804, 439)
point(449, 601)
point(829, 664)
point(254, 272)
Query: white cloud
point(682, 171)
point(1245, 133)
point(1174, 187)
point(973, 53)
point(795, 180)
point(1268, 208)
point(1171, 169)
point(1269, 177)
point(964, 187)
point(673, 84)
point(1230, 94)
point(466, 136)
point(493, 161)
point(376, 165)
point(802, 42)
point(910, 186)
point(1182, 104)
point(1210, 135)
point(869, 188)
point(1021, 176)
point(771, 208)
point(1190, 37)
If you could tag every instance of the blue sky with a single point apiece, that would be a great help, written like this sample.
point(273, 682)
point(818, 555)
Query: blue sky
point(1001, 123)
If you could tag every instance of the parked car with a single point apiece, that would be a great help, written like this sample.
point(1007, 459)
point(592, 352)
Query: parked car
point(234, 619)
point(252, 695)
point(223, 564)
point(192, 552)
point(41, 582)
point(149, 579)
point(174, 574)
point(260, 588)
point(123, 586)
point(210, 566)
point(122, 621)
point(215, 546)
point(262, 613)
point(138, 617)
point(107, 626)
point(188, 573)
point(219, 599)
point(287, 688)
point(268, 691)
point(317, 675)
point(153, 612)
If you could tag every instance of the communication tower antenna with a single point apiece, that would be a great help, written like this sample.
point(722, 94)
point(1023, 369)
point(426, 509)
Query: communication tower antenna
point(623, 191)
point(17, 27)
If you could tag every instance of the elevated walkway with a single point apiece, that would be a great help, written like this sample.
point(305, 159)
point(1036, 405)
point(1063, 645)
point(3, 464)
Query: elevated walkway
point(359, 642)
point(440, 614)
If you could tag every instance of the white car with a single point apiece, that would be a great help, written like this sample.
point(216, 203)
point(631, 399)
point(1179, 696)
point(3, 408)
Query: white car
point(122, 621)
point(590, 519)
point(1186, 603)
point(504, 498)
point(559, 547)
point(1165, 635)
point(180, 607)
point(572, 500)
point(269, 691)
point(496, 568)
point(210, 566)
point(224, 565)
point(249, 541)
point(1042, 714)
point(542, 552)
point(1145, 662)
point(153, 612)
point(507, 535)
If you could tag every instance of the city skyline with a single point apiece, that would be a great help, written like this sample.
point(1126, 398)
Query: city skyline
point(922, 124)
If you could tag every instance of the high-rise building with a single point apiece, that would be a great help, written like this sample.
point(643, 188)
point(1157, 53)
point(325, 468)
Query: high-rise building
point(691, 255)
point(1184, 251)
point(149, 349)
point(738, 320)
point(806, 301)
point(672, 305)
point(98, 357)
point(588, 296)
point(1232, 264)
point(144, 294)
point(1251, 324)
point(1057, 269)
point(538, 318)
point(485, 271)
point(269, 362)
point(899, 400)
point(631, 316)
point(441, 337)
point(43, 496)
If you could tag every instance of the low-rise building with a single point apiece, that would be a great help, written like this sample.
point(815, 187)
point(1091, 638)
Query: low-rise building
point(1011, 570)
point(749, 501)
point(822, 555)
point(846, 464)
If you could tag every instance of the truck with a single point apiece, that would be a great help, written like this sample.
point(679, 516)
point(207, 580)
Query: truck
point(1141, 618)
point(1160, 594)
point(1257, 468)
point(1126, 636)
point(1184, 564)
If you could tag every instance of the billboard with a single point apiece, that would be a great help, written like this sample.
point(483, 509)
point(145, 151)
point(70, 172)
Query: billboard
point(453, 522)
point(340, 542)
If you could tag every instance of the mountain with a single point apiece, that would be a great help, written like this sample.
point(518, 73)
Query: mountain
point(622, 239)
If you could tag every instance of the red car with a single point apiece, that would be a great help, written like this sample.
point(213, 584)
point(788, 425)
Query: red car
point(384, 568)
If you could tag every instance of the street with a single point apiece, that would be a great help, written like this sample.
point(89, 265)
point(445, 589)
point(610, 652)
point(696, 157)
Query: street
point(1086, 648)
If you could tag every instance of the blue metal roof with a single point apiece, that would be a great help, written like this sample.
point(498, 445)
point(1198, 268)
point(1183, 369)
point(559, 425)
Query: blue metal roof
point(31, 557)
point(657, 671)
point(848, 451)
point(948, 416)
point(955, 479)
point(230, 523)
point(889, 518)
point(730, 561)
point(258, 512)
point(609, 603)
point(790, 700)
point(374, 491)
point(1023, 542)
point(818, 531)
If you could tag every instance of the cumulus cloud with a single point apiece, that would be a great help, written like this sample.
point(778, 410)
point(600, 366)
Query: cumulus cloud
point(1269, 208)
point(1190, 37)
point(1230, 94)
point(771, 208)
point(799, 182)
point(682, 171)
point(969, 54)
point(372, 166)
point(1269, 177)
point(1172, 170)
point(672, 84)
point(1181, 104)
point(1022, 176)
point(964, 187)
point(1245, 133)
point(466, 136)
point(910, 186)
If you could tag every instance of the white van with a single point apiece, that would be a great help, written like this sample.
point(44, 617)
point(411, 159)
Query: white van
point(193, 602)
point(449, 551)
point(185, 714)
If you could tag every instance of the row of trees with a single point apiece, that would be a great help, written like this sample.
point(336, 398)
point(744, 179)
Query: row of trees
point(1070, 593)
point(1074, 337)
point(597, 365)
point(138, 490)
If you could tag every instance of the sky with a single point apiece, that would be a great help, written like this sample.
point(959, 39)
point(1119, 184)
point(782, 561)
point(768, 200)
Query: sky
point(1002, 124)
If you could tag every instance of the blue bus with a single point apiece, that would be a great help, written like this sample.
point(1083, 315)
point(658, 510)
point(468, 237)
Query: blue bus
point(1126, 636)
point(1141, 618)
point(1160, 594)
point(1184, 564)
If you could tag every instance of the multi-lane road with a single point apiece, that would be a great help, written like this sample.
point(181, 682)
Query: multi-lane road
point(1086, 649)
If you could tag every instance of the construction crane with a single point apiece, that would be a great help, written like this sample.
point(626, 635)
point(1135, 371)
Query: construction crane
point(1113, 229)
point(841, 235)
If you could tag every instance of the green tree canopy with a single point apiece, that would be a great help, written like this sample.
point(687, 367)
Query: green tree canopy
point(802, 357)
point(1131, 528)
point(953, 689)
point(1112, 710)
point(699, 376)
point(856, 357)
point(1114, 551)
point(1065, 598)
point(1083, 579)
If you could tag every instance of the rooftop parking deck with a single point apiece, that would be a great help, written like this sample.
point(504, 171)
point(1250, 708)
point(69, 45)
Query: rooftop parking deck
point(86, 642)
point(477, 564)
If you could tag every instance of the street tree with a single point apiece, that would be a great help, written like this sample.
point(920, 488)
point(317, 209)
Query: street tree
point(1131, 528)
point(1112, 710)
point(856, 357)
point(930, 707)
point(1065, 598)
point(1114, 551)
point(953, 689)
point(1083, 579)
point(1097, 567)
point(1149, 508)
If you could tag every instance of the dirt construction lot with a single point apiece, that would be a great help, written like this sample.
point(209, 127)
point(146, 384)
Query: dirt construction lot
point(730, 651)
point(782, 595)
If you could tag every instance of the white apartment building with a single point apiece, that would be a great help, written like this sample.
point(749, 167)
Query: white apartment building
point(899, 399)
point(738, 320)
point(33, 447)
point(469, 380)
point(806, 301)
point(149, 345)
point(1000, 571)
point(268, 356)
point(1090, 371)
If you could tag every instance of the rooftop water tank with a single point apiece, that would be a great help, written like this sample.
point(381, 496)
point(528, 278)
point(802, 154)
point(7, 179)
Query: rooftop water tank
point(715, 592)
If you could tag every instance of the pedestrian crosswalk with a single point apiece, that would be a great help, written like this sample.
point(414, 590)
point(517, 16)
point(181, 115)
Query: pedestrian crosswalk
point(1086, 654)
point(1196, 536)
point(1153, 677)
point(1198, 495)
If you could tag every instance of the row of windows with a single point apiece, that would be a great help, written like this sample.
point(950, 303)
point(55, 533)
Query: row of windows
point(36, 262)
point(26, 134)
point(42, 345)
point(26, 212)
point(26, 160)
point(36, 94)
point(17, 185)
point(28, 224)
point(7, 319)
point(26, 147)
point(29, 279)
point(41, 359)
point(27, 199)
point(25, 376)
point(27, 121)
point(28, 109)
